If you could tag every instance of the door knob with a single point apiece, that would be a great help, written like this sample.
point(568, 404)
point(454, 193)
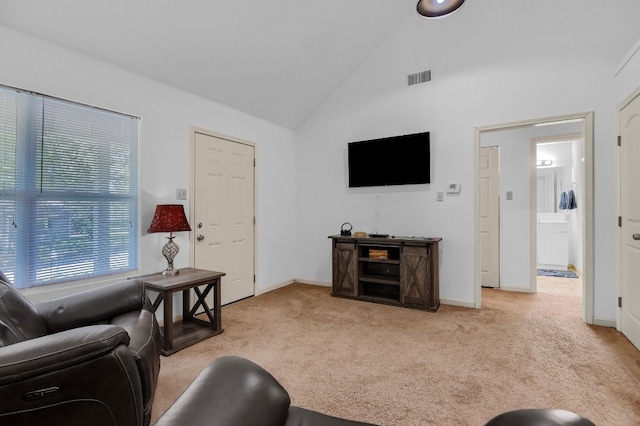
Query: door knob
point(200, 237)
point(199, 224)
point(636, 236)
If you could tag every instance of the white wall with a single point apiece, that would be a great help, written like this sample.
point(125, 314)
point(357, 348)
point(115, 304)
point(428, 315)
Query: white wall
point(627, 77)
point(166, 116)
point(480, 81)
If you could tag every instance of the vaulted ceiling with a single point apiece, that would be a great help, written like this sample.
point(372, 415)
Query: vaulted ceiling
point(278, 60)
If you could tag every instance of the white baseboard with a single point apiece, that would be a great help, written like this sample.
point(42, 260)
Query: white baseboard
point(604, 322)
point(319, 283)
point(517, 289)
point(460, 303)
point(260, 291)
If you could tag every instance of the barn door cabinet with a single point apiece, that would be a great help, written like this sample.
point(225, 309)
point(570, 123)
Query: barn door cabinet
point(399, 271)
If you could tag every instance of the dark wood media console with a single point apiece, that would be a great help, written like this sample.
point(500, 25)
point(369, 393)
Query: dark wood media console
point(399, 271)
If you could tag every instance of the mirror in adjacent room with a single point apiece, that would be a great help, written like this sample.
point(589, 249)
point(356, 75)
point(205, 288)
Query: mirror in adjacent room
point(551, 181)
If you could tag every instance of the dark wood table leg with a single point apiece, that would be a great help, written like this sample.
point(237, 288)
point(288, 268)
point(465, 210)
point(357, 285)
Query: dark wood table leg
point(202, 302)
point(217, 303)
point(168, 321)
point(214, 315)
point(186, 302)
point(157, 301)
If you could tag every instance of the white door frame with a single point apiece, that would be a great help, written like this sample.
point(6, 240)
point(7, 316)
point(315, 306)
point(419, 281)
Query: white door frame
point(192, 184)
point(588, 228)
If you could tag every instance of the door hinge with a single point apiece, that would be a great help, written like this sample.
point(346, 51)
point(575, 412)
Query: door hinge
point(254, 278)
point(620, 221)
point(254, 162)
point(619, 140)
point(619, 302)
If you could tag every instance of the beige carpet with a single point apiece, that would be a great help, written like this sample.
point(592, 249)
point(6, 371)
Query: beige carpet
point(559, 285)
point(396, 366)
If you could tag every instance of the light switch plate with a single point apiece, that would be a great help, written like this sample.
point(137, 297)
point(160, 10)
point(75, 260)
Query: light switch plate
point(181, 194)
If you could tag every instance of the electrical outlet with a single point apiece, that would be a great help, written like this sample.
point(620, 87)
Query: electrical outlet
point(509, 195)
point(440, 196)
point(181, 194)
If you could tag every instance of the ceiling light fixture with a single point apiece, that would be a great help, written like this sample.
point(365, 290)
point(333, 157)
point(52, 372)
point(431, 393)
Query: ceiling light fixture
point(437, 8)
point(544, 163)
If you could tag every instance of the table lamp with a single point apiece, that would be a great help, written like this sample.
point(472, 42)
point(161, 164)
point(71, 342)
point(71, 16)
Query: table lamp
point(169, 218)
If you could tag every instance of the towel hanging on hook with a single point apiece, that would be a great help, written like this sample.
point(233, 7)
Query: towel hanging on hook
point(564, 201)
point(572, 203)
point(568, 201)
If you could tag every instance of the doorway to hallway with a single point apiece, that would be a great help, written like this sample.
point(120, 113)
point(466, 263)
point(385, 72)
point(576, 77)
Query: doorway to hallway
point(559, 213)
point(518, 216)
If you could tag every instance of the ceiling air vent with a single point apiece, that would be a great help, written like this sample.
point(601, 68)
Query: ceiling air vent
point(419, 77)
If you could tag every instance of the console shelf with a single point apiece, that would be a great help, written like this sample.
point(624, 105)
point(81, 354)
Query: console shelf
point(399, 271)
point(366, 259)
point(379, 280)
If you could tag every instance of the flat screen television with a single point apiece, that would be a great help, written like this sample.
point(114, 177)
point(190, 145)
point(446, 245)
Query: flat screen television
point(396, 160)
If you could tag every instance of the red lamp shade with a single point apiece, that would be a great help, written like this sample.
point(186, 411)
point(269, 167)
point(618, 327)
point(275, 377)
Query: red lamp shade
point(169, 218)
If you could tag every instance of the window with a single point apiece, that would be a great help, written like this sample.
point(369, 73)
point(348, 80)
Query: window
point(68, 190)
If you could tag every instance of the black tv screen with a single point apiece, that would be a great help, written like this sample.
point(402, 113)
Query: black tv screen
point(397, 160)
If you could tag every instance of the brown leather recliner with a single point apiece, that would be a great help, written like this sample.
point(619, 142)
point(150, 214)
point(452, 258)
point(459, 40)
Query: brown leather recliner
point(233, 391)
point(90, 358)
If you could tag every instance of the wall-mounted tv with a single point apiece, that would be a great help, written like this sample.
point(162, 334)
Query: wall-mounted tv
point(396, 160)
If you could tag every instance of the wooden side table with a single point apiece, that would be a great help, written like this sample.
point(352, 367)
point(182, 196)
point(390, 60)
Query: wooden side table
point(178, 335)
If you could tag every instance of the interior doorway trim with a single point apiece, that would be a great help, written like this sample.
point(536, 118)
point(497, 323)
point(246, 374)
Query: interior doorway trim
point(588, 185)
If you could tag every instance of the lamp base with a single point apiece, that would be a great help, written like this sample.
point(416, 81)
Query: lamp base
point(169, 251)
point(170, 272)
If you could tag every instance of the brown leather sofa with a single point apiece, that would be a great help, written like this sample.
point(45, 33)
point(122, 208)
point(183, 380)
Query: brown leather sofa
point(233, 391)
point(91, 358)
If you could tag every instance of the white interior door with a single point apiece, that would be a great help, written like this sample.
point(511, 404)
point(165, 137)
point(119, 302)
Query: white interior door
point(490, 216)
point(630, 229)
point(224, 213)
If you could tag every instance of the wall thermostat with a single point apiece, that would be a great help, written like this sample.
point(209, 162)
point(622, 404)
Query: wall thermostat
point(453, 188)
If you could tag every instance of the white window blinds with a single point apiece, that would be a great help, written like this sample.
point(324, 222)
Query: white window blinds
point(68, 190)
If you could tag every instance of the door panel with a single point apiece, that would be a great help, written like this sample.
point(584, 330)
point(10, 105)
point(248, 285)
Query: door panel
point(224, 212)
point(489, 217)
point(630, 230)
point(345, 269)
